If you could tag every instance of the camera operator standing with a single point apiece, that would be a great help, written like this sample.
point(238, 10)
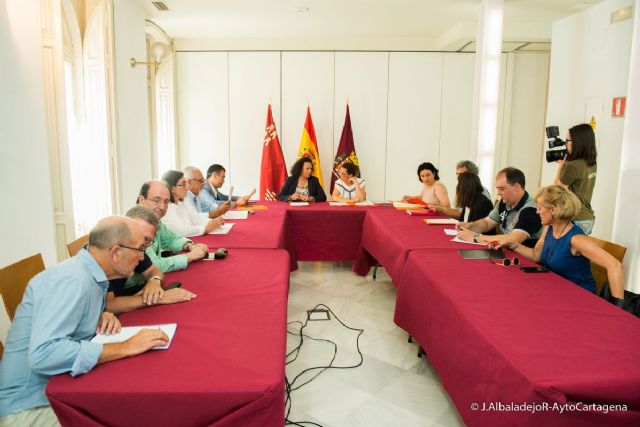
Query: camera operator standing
point(577, 172)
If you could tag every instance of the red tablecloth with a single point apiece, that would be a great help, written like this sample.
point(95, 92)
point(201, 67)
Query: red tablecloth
point(264, 229)
point(388, 235)
point(327, 233)
point(225, 366)
point(495, 334)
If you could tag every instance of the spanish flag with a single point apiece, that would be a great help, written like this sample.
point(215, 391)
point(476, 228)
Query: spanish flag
point(309, 146)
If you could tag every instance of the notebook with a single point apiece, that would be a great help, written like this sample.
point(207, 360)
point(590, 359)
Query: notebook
point(128, 331)
point(299, 203)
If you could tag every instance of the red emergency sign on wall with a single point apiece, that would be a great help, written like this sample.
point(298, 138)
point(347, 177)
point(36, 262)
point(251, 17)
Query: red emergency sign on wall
point(618, 106)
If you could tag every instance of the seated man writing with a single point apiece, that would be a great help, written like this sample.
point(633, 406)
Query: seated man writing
point(516, 214)
point(62, 309)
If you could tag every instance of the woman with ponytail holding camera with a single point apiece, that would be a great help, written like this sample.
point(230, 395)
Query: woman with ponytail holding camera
point(577, 172)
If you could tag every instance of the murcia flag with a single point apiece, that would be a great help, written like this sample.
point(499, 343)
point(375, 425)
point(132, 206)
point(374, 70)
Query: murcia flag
point(309, 146)
point(273, 172)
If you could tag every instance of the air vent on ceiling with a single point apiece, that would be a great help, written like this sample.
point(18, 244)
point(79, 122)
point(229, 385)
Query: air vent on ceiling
point(161, 6)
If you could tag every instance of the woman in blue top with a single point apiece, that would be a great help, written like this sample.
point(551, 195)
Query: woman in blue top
point(563, 247)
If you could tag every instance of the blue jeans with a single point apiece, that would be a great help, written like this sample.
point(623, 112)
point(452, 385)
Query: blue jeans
point(586, 226)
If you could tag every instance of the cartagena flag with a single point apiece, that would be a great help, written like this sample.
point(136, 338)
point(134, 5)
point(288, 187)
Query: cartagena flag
point(309, 146)
point(273, 171)
point(346, 152)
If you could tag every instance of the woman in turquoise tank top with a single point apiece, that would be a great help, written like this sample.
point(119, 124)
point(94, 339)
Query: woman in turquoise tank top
point(564, 248)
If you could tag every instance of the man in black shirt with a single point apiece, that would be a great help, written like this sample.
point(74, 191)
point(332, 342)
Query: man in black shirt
point(144, 287)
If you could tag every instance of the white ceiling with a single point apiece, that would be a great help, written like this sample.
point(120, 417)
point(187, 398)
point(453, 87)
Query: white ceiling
point(435, 24)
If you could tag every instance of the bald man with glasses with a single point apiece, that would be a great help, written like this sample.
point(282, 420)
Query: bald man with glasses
point(155, 196)
point(62, 309)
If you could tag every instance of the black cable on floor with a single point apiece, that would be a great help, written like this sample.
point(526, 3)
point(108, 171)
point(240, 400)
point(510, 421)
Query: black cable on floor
point(291, 386)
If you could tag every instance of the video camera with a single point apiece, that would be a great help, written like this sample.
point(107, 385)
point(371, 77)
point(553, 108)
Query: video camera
point(554, 142)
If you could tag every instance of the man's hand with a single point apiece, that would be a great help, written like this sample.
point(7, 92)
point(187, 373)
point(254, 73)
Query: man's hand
point(108, 324)
point(197, 252)
point(304, 198)
point(466, 234)
point(152, 292)
point(175, 295)
point(223, 208)
point(145, 340)
point(213, 224)
point(295, 196)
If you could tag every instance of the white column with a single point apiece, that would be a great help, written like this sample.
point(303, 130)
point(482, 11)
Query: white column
point(486, 88)
point(626, 224)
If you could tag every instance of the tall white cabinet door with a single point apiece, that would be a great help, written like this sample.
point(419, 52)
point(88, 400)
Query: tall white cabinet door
point(413, 134)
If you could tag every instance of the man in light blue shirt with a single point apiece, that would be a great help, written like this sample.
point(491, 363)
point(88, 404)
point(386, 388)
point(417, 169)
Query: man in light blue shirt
point(211, 198)
point(61, 310)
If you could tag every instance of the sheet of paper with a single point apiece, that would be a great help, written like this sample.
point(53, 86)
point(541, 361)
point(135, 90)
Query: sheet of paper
point(450, 231)
point(441, 221)
point(236, 215)
point(223, 230)
point(459, 240)
point(337, 204)
point(365, 203)
point(299, 203)
point(128, 331)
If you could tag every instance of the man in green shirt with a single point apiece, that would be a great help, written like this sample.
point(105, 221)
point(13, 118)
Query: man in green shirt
point(155, 195)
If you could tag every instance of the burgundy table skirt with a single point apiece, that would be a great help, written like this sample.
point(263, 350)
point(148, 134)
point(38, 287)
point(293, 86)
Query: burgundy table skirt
point(225, 366)
point(327, 233)
point(497, 335)
point(264, 229)
point(388, 235)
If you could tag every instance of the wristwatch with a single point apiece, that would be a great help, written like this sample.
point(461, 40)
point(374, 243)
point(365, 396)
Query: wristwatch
point(158, 278)
point(476, 237)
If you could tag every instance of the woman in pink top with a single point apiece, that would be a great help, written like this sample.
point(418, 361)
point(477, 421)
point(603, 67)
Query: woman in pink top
point(433, 191)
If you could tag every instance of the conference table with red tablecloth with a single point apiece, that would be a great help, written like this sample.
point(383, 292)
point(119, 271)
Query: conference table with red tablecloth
point(388, 235)
point(322, 232)
point(496, 334)
point(263, 229)
point(492, 333)
point(225, 366)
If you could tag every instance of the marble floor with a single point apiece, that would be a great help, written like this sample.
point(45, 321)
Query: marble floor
point(392, 386)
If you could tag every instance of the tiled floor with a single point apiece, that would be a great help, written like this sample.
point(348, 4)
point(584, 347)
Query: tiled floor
point(392, 387)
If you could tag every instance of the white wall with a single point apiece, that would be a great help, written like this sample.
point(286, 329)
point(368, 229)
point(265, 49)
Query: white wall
point(590, 66)
point(405, 108)
point(132, 106)
point(27, 212)
point(626, 227)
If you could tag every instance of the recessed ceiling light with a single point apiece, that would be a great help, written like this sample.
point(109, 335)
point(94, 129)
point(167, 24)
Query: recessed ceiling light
point(303, 9)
